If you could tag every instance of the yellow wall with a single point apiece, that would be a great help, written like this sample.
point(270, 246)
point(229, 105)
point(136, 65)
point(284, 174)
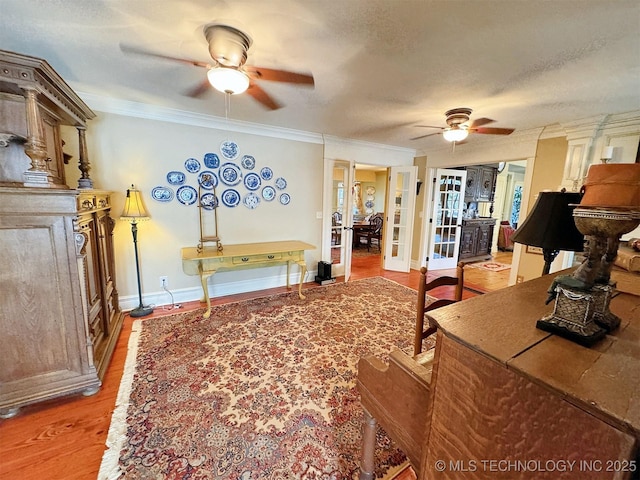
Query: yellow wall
point(547, 175)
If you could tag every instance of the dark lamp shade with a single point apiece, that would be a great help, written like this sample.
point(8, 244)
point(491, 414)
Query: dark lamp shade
point(550, 224)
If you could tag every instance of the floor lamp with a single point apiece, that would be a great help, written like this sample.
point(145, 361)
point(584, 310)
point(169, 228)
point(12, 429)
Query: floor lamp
point(134, 212)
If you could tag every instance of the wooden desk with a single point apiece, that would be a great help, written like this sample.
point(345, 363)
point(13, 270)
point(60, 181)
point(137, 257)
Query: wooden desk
point(243, 256)
point(505, 390)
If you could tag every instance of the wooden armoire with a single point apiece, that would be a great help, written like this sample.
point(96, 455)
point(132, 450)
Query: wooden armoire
point(59, 313)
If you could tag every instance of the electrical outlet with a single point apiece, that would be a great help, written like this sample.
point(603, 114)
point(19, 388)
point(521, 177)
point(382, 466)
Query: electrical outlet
point(519, 279)
point(164, 281)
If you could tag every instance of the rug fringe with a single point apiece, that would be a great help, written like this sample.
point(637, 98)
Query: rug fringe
point(109, 468)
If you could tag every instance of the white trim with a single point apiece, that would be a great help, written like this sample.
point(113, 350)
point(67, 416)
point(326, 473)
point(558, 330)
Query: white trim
point(166, 114)
point(216, 289)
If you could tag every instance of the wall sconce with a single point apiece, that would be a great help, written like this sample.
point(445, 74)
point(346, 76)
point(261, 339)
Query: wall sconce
point(607, 154)
point(418, 185)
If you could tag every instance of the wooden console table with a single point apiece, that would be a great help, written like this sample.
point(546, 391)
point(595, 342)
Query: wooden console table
point(248, 255)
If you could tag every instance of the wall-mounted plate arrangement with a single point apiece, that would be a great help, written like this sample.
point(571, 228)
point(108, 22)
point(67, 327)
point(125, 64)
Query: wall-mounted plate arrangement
point(211, 160)
point(229, 150)
point(230, 198)
point(251, 200)
point(187, 195)
point(162, 194)
point(211, 173)
point(192, 165)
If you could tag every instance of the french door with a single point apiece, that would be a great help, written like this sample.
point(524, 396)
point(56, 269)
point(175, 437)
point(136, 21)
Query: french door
point(446, 218)
point(398, 226)
point(338, 216)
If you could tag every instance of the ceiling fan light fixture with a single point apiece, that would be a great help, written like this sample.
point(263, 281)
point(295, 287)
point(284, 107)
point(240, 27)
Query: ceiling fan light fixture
point(228, 80)
point(455, 134)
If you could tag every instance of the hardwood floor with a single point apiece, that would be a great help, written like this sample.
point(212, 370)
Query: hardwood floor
point(64, 439)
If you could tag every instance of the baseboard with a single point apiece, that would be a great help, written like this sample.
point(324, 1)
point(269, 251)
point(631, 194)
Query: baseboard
point(183, 295)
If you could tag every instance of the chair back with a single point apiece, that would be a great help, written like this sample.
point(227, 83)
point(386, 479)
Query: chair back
point(336, 218)
point(458, 281)
point(376, 224)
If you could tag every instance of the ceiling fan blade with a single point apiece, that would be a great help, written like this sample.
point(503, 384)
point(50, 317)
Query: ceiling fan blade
point(260, 73)
point(425, 136)
point(493, 131)
point(199, 89)
point(138, 51)
point(263, 97)
point(429, 126)
point(478, 122)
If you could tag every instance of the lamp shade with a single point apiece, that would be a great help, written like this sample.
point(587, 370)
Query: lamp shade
point(134, 210)
point(228, 80)
point(456, 134)
point(550, 225)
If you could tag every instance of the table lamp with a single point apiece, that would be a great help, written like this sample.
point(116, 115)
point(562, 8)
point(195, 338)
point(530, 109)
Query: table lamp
point(550, 226)
point(135, 212)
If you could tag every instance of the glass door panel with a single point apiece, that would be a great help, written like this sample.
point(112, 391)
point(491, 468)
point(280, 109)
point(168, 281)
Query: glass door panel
point(446, 221)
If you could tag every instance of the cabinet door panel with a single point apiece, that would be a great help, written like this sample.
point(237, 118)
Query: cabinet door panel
point(35, 346)
point(471, 190)
point(485, 186)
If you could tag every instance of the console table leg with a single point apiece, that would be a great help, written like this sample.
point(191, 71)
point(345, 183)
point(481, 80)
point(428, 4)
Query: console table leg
point(303, 273)
point(204, 277)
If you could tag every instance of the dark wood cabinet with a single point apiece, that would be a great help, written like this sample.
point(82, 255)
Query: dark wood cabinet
point(481, 183)
point(59, 315)
point(475, 241)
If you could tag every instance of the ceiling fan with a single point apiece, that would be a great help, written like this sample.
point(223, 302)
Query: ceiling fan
point(228, 73)
point(459, 127)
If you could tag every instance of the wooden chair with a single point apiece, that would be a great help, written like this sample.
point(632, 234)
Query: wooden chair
point(423, 307)
point(336, 233)
point(373, 235)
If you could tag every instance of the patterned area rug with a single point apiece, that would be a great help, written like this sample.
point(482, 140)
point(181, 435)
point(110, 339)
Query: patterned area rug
point(490, 266)
point(263, 389)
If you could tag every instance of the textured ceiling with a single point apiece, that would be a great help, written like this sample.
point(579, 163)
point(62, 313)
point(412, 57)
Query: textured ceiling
point(381, 67)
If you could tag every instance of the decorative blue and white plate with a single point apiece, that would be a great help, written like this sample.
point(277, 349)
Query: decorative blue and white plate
point(162, 194)
point(209, 201)
point(285, 199)
point(229, 150)
point(192, 165)
point(230, 197)
point(369, 204)
point(211, 160)
point(266, 173)
point(176, 178)
point(268, 193)
point(248, 162)
point(281, 183)
point(207, 179)
point(230, 174)
point(251, 200)
point(252, 181)
point(187, 195)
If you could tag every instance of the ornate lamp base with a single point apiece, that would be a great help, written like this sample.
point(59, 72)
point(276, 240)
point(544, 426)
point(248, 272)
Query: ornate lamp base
point(574, 314)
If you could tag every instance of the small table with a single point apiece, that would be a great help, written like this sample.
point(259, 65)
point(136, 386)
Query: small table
point(243, 256)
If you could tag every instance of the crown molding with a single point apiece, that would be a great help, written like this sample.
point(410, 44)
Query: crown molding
point(165, 114)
